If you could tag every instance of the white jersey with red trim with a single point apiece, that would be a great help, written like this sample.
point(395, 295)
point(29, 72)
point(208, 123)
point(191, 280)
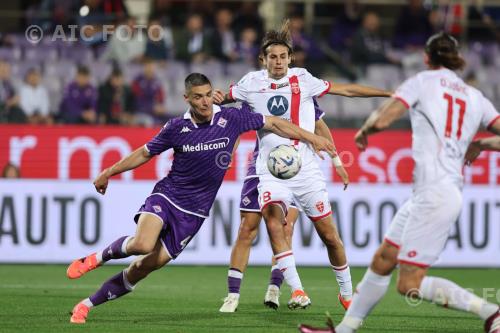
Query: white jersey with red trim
point(445, 115)
point(290, 98)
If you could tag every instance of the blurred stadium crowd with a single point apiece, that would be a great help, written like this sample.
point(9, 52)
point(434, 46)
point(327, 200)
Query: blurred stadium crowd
point(138, 80)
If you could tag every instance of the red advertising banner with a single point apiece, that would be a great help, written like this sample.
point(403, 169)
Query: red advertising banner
point(80, 152)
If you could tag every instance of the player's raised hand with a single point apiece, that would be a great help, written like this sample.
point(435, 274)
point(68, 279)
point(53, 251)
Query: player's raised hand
point(101, 182)
point(472, 152)
point(361, 140)
point(219, 96)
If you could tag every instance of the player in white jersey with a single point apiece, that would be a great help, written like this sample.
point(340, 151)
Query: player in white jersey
point(445, 115)
point(288, 93)
point(249, 226)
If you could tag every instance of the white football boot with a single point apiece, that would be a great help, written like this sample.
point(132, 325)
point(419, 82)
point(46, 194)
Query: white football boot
point(230, 303)
point(272, 298)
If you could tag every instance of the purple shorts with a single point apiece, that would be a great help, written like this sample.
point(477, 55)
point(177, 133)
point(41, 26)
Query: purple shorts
point(179, 227)
point(250, 195)
point(249, 201)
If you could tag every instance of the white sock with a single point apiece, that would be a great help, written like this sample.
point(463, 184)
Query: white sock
point(126, 282)
point(369, 292)
point(343, 275)
point(347, 324)
point(235, 274)
point(87, 302)
point(124, 244)
point(286, 264)
point(447, 293)
point(98, 256)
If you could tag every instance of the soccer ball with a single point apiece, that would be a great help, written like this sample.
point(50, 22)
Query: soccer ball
point(284, 162)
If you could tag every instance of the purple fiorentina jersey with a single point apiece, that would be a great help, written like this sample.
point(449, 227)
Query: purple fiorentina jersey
point(202, 153)
point(251, 173)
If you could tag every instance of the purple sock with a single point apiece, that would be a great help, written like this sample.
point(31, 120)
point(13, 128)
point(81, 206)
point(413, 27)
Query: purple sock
point(276, 277)
point(234, 277)
point(115, 287)
point(114, 251)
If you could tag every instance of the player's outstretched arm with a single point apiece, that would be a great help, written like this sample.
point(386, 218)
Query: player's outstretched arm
point(321, 129)
point(357, 90)
point(379, 120)
point(476, 147)
point(132, 161)
point(286, 129)
point(491, 143)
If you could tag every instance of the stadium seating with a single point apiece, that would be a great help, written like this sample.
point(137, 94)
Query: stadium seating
point(58, 60)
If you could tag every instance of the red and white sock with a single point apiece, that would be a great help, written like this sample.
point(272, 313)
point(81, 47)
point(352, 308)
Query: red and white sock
point(343, 275)
point(449, 294)
point(286, 264)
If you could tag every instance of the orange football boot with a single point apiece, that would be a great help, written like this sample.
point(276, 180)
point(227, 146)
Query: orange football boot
point(299, 300)
point(81, 266)
point(79, 314)
point(345, 303)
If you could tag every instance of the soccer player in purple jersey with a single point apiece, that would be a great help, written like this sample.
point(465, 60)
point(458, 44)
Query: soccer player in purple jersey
point(249, 226)
point(174, 212)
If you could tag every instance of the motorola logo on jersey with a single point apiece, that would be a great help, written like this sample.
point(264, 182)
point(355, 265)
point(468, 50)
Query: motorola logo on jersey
point(277, 105)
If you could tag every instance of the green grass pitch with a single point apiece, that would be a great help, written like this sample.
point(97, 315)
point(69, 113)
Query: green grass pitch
point(38, 298)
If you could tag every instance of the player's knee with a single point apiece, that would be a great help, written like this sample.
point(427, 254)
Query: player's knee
point(144, 266)
point(381, 265)
point(138, 267)
point(386, 257)
point(141, 247)
point(407, 287)
point(267, 214)
point(246, 234)
point(273, 212)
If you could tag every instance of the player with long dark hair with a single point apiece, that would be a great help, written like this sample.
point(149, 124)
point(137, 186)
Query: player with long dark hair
point(445, 115)
point(288, 93)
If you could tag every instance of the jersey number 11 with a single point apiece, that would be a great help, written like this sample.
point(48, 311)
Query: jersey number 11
point(449, 118)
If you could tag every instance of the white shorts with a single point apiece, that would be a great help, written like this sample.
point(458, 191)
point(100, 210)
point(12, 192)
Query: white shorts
point(308, 194)
point(422, 225)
